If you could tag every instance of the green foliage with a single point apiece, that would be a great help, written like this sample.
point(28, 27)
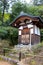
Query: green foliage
point(1, 59)
point(17, 8)
point(37, 2)
point(13, 36)
point(33, 62)
point(38, 48)
point(6, 17)
point(32, 10)
point(10, 34)
point(4, 43)
point(41, 34)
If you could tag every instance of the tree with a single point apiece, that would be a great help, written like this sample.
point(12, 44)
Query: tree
point(41, 34)
point(32, 10)
point(17, 8)
point(41, 1)
point(4, 5)
point(9, 34)
point(38, 2)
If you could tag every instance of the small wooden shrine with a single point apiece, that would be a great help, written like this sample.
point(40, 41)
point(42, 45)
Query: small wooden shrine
point(28, 28)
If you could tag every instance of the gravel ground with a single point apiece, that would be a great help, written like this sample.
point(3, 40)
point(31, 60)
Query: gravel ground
point(4, 63)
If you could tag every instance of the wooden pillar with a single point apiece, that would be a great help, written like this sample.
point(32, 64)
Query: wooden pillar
point(30, 41)
point(20, 56)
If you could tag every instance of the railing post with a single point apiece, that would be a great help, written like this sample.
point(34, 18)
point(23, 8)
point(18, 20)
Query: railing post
point(20, 56)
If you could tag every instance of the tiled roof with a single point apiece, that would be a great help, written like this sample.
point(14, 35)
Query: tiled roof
point(25, 14)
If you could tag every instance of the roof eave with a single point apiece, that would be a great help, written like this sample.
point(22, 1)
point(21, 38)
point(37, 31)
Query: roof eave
point(25, 15)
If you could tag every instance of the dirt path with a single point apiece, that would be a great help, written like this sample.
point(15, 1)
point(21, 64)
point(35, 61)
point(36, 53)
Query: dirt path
point(4, 63)
point(32, 60)
point(22, 62)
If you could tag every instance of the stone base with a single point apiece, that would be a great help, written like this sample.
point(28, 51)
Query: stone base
point(22, 47)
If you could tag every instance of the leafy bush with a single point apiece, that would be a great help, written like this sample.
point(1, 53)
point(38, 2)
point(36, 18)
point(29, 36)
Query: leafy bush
point(10, 34)
point(41, 34)
point(38, 48)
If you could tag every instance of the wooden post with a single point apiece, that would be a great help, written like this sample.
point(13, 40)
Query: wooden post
point(20, 56)
point(4, 52)
point(30, 41)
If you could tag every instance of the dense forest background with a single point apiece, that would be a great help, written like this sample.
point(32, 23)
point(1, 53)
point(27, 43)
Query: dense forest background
point(9, 10)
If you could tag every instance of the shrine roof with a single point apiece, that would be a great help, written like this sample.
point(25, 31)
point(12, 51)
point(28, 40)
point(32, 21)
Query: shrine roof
point(22, 14)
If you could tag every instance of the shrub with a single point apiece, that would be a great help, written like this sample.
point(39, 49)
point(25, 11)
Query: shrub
point(38, 48)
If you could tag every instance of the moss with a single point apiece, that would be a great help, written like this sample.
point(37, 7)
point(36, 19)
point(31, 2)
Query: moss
point(38, 48)
point(1, 59)
point(33, 62)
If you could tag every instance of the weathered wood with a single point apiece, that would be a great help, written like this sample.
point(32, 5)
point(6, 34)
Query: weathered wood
point(28, 34)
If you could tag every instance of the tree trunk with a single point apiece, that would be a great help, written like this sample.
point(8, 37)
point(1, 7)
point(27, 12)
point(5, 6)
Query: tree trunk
point(4, 6)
